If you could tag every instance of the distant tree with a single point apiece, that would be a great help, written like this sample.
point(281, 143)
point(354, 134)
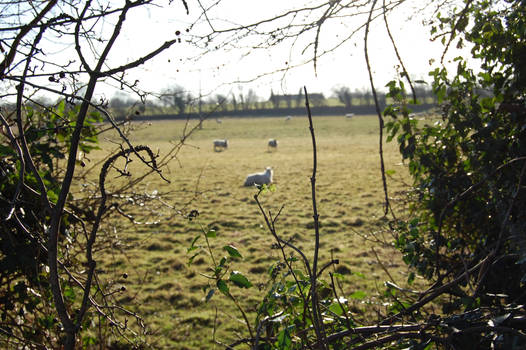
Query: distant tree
point(177, 98)
point(344, 96)
point(234, 102)
point(317, 100)
point(300, 98)
point(288, 100)
point(122, 105)
point(382, 99)
point(367, 97)
point(220, 101)
point(250, 99)
point(274, 99)
point(117, 102)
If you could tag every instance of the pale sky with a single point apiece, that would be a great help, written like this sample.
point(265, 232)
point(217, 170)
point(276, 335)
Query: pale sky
point(218, 71)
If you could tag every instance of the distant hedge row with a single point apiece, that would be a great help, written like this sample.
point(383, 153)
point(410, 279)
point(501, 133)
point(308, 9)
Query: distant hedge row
point(276, 112)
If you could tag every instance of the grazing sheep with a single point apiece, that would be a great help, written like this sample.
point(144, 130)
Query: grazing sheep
point(218, 121)
point(220, 145)
point(287, 118)
point(349, 115)
point(272, 144)
point(259, 178)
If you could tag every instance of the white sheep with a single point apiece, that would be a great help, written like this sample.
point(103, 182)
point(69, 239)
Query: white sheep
point(259, 178)
point(349, 115)
point(272, 144)
point(287, 118)
point(220, 145)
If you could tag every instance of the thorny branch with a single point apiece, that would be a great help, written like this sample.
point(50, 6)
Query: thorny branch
point(25, 64)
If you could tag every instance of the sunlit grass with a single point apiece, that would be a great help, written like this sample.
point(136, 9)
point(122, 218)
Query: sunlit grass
point(168, 292)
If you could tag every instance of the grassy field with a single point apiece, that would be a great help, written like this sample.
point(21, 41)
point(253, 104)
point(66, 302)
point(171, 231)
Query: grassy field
point(167, 292)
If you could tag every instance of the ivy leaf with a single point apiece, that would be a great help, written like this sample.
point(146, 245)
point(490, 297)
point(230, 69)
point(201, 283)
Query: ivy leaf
point(284, 340)
point(193, 246)
point(223, 287)
point(232, 251)
point(336, 309)
point(5, 151)
point(240, 280)
point(191, 259)
point(210, 294)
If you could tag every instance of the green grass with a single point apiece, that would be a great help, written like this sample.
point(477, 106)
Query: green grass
point(168, 293)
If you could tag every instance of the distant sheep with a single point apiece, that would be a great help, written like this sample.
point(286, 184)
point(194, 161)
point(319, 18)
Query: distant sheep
point(287, 118)
point(349, 115)
point(220, 145)
point(259, 178)
point(272, 144)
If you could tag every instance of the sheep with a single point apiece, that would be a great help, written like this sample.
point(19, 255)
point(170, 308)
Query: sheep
point(349, 115)
point(287, 118)
point(220, 145)
point(259, 178)
point(272, 144)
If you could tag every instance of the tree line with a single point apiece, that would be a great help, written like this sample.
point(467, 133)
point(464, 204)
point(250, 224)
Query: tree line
point(176, 100)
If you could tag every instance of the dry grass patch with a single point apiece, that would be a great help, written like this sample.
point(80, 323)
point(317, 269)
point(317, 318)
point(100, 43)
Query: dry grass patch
point(169, 293)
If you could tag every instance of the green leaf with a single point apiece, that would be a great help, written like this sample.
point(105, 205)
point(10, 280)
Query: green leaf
point(191, 259)
point(210, 294)
point(240, 280)
point(336, 309)
point(193, 246)
point(89, 340)
point(299, 274)
point(284, 340)
point(267, 188)
point(358, 295)
point(211, 234)
point(359, 274)
point(411, 278)
point(232, 251)
point(223, 287)
point(338, 275)
point(5, 151)
point(292, 259)
point(69, 293)
point(390, 172)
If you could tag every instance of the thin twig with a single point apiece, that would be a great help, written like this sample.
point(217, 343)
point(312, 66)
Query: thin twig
point(317, 320)
point(378, 112)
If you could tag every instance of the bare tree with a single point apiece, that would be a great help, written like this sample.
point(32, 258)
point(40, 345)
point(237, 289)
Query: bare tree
point(299, 98)
point(220, 101)
point(344, 95)
point(52, 231)
point(177, 98)
point(234, 102)
point(250, 99)
point(274, 99)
